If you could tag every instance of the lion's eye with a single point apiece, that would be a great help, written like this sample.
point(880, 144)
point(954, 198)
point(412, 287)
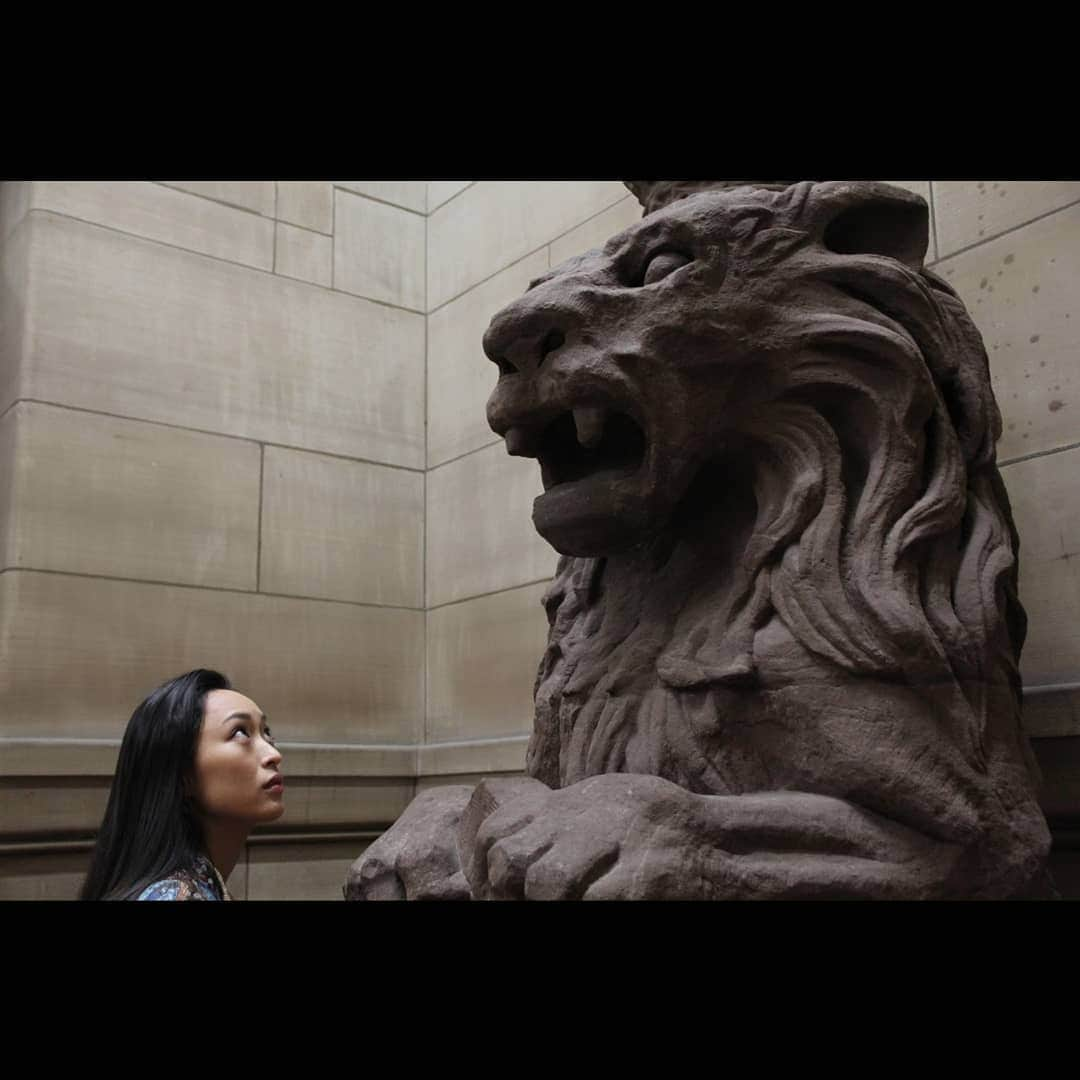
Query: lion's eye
point(662, 264)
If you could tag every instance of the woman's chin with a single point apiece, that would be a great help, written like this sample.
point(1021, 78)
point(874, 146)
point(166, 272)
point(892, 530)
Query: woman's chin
point(273, 811)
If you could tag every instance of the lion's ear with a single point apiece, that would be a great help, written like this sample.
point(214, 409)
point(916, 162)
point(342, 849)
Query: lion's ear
point(867, 217)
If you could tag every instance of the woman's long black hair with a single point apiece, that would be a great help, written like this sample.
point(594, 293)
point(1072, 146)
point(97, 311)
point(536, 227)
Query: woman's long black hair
point(150, 829)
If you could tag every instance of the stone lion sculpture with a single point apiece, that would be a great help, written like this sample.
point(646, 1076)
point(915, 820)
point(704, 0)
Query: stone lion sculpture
point(784, 632)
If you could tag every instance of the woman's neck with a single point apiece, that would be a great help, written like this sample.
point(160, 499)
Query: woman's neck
point(224, 843)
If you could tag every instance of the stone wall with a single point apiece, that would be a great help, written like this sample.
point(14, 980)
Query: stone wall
point(211, 454)
point(1012, 251)
point(242, 425)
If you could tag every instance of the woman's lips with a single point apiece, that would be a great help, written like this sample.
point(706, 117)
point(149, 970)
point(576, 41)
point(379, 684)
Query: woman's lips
point(277, 784)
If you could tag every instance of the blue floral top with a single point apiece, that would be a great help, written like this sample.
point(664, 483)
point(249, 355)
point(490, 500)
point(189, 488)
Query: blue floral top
point(201, 882)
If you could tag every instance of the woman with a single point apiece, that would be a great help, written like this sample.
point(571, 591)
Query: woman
point(197, 770)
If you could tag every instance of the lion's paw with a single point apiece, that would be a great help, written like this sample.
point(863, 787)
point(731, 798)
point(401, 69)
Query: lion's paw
point(416, 859)
point(608, 837)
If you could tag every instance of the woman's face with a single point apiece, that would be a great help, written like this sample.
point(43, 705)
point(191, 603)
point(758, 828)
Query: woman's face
point(237, 766)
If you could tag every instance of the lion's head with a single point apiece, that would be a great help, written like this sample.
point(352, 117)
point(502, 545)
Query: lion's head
point(781, 364)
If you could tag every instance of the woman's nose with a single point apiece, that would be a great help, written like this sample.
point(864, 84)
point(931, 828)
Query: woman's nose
point(273, 755)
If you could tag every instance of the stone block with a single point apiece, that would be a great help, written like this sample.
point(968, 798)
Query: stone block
point(379, 251)
point(970, 211)
point(410, 194)
point(1021, 290)
point(442, 191)
point(257, 195)
point(81, 653)
point(482, 660)
point(341, 530)
point(161, 213)
point(92, 494)
point(495, 222)
point(308, 203)
point(133, 328)
point(480, 536)
point(302, 254)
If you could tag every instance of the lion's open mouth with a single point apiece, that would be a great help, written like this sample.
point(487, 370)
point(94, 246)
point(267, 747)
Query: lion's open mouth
point(599, 496)
point(587, 442)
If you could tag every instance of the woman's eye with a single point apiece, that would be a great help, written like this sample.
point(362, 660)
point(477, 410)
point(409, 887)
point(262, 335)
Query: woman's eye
point(662, 264)
point(239, 731)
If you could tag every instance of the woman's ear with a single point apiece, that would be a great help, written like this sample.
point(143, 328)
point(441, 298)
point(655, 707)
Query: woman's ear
point(867, 217)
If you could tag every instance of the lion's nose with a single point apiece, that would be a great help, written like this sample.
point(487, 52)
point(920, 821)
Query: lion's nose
point(521, 442)
point(514, 412)
point(522, 341)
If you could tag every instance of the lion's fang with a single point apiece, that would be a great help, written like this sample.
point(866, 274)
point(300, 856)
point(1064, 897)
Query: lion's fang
point(590, 426)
